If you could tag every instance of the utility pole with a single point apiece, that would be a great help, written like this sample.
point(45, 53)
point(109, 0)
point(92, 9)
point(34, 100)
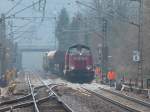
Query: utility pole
point(55, 39)
point(104, 50)
point(1, 47)
point(11, 29)
point(2, 43)
point(140, 43)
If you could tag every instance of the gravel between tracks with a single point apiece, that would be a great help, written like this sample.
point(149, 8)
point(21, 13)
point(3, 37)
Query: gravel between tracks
point(83, 101)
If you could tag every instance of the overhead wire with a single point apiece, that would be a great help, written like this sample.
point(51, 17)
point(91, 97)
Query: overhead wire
point(23, 26)
point(18, 37)
point(43, 3)
point(26, 31)
point(124, 19)
point(29, 17)
point(18, 3)
point(27, 7)
point(21, 10)
point(12, 16)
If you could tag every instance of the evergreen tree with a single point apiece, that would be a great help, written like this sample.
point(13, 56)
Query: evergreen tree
point(75, 29)
point(61, 29)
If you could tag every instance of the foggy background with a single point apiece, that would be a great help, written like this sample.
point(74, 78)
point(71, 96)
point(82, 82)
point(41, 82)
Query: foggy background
point(38, 33)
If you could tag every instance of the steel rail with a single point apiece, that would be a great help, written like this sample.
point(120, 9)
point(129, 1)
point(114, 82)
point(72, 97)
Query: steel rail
point(25, 104)
point(127, 97)
point(33, 95)
point(112, 101)
point(53, 93)
point(15, 100)
point(58, 98)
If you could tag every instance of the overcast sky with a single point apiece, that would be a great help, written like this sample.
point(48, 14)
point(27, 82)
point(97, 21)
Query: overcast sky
point(43, 32)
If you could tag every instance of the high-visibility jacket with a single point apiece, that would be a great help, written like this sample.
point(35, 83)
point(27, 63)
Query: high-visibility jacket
point(111, 75)
point(97, 71)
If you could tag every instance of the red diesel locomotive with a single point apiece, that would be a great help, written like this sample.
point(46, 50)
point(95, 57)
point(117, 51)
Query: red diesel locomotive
point(75, 65)
point(79, 64)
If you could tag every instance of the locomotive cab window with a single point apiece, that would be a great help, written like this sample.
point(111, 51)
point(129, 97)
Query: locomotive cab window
point(79, 51)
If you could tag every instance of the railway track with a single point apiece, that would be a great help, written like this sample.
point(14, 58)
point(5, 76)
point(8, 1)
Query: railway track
point(142, 102)
point(122, 103)
point(51, 97)
point(88, 101)
point(20, 102)
point(35, 101)
point(15, 102)
point(55, 103)
point(125, 102)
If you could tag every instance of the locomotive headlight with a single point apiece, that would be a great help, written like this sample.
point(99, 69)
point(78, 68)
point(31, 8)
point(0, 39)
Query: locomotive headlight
point(89, 67)
point(72, 67)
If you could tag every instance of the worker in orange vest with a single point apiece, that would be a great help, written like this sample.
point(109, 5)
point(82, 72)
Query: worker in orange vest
point(111, 77)
point(98, 73)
